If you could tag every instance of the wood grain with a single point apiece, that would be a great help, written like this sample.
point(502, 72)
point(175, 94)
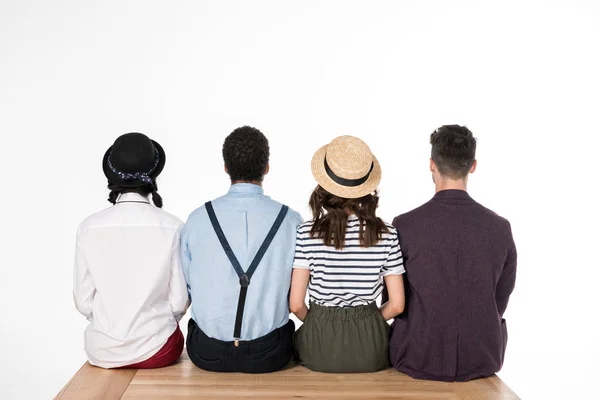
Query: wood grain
point(491, 388)
point(184, 381)
point(91, 383)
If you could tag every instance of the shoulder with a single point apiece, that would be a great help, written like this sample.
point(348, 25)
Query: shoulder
point(144, 215)
point(100, 218)
point(196, 218)
point(117, 217)
point(167, 219)
point(305, 227)
point(412, 215)
point(293, 217)
point(392, 231)
point(389, 226)
point(197, 212)
point(492, 217)
point(200, 212)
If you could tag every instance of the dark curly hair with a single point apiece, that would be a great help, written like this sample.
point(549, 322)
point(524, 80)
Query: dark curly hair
point(116, 191)
point(246, 154)
point(453, 150)
point(330, 218)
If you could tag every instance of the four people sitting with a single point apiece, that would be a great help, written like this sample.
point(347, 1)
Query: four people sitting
point(446, 269)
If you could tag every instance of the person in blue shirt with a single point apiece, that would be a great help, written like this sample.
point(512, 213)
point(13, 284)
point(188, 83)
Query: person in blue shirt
point(237, 253)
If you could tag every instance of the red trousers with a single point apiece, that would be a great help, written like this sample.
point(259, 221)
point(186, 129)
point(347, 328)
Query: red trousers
point(166, 356)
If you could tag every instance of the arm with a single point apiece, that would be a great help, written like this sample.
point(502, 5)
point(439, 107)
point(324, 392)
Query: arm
point(186, 257)
point(84, 289)
point(506, 283)
point(178, 292)
point(300, 278)
point(392, 272)
point(395, 303)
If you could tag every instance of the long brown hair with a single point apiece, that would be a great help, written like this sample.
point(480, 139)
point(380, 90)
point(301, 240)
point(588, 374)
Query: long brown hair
point(330, 218)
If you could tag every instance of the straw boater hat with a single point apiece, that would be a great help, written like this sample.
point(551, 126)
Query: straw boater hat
point(134, 160)
point(346, 168)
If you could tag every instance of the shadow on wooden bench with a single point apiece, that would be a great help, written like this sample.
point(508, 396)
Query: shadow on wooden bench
point(184, 381)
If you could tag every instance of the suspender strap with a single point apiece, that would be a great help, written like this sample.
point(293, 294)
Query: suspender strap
point(217, 227)
point(267, 242)
point(244, 276)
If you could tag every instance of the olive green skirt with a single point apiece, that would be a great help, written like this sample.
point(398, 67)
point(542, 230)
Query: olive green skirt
point(348, 339)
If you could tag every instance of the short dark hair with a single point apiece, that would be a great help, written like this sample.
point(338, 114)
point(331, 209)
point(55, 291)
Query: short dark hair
point(453, 150)
point(246, 154)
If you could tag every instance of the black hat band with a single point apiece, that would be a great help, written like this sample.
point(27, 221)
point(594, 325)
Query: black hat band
point(347, 182)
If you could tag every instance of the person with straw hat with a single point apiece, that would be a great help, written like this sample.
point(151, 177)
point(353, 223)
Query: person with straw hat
point(128, 280)
point(343, 256)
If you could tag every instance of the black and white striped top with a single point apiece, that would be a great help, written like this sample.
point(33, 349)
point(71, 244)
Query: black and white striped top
point(352, 276)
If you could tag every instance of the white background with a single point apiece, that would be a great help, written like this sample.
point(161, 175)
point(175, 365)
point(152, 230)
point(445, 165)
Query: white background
point(524, 76)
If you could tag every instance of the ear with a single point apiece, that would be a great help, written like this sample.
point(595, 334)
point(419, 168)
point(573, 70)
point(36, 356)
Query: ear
point(267, 169)
point(473, 167)
point(225, 168)
point(432, 166)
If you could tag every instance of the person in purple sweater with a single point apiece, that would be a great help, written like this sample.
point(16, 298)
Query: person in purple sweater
point(461, 262)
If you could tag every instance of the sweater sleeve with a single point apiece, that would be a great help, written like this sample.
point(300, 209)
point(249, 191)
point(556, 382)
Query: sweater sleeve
point(506, 283)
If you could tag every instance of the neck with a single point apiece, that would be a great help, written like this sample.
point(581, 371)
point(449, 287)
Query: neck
point(450, 184)
point(258, 183)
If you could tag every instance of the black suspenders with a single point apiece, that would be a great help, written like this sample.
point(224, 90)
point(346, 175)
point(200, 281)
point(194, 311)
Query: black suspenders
point(244, 276)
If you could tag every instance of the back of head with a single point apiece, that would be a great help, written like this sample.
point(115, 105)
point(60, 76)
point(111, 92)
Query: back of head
point(132, 164)
point(453, 150)
point(246, 154)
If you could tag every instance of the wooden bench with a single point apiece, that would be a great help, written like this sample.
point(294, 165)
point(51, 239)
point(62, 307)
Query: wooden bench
point(184, 381)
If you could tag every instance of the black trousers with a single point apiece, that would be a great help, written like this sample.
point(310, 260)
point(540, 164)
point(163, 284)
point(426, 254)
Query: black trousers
point(268, 353)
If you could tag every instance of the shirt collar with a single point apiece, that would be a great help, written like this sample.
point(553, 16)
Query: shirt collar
point(352, 217)
point(245, 188)
point(132, 197)
point(452, 194)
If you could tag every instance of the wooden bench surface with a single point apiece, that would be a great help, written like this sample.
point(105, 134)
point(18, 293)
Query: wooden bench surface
point(184, 381)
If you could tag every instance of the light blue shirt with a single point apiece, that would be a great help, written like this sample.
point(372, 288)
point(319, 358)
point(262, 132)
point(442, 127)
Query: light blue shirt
point(246, 216)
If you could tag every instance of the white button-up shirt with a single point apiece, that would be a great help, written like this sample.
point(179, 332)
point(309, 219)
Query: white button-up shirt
point(128, 281)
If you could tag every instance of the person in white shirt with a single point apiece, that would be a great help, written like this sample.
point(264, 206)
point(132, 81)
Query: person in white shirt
point(128, 280)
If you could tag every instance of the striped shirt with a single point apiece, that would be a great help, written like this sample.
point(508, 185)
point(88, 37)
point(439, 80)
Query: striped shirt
point(352, 276)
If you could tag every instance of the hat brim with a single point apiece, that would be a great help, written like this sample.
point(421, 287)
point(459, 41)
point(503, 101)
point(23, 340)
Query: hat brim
point(347, 192)
point(116, 179)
